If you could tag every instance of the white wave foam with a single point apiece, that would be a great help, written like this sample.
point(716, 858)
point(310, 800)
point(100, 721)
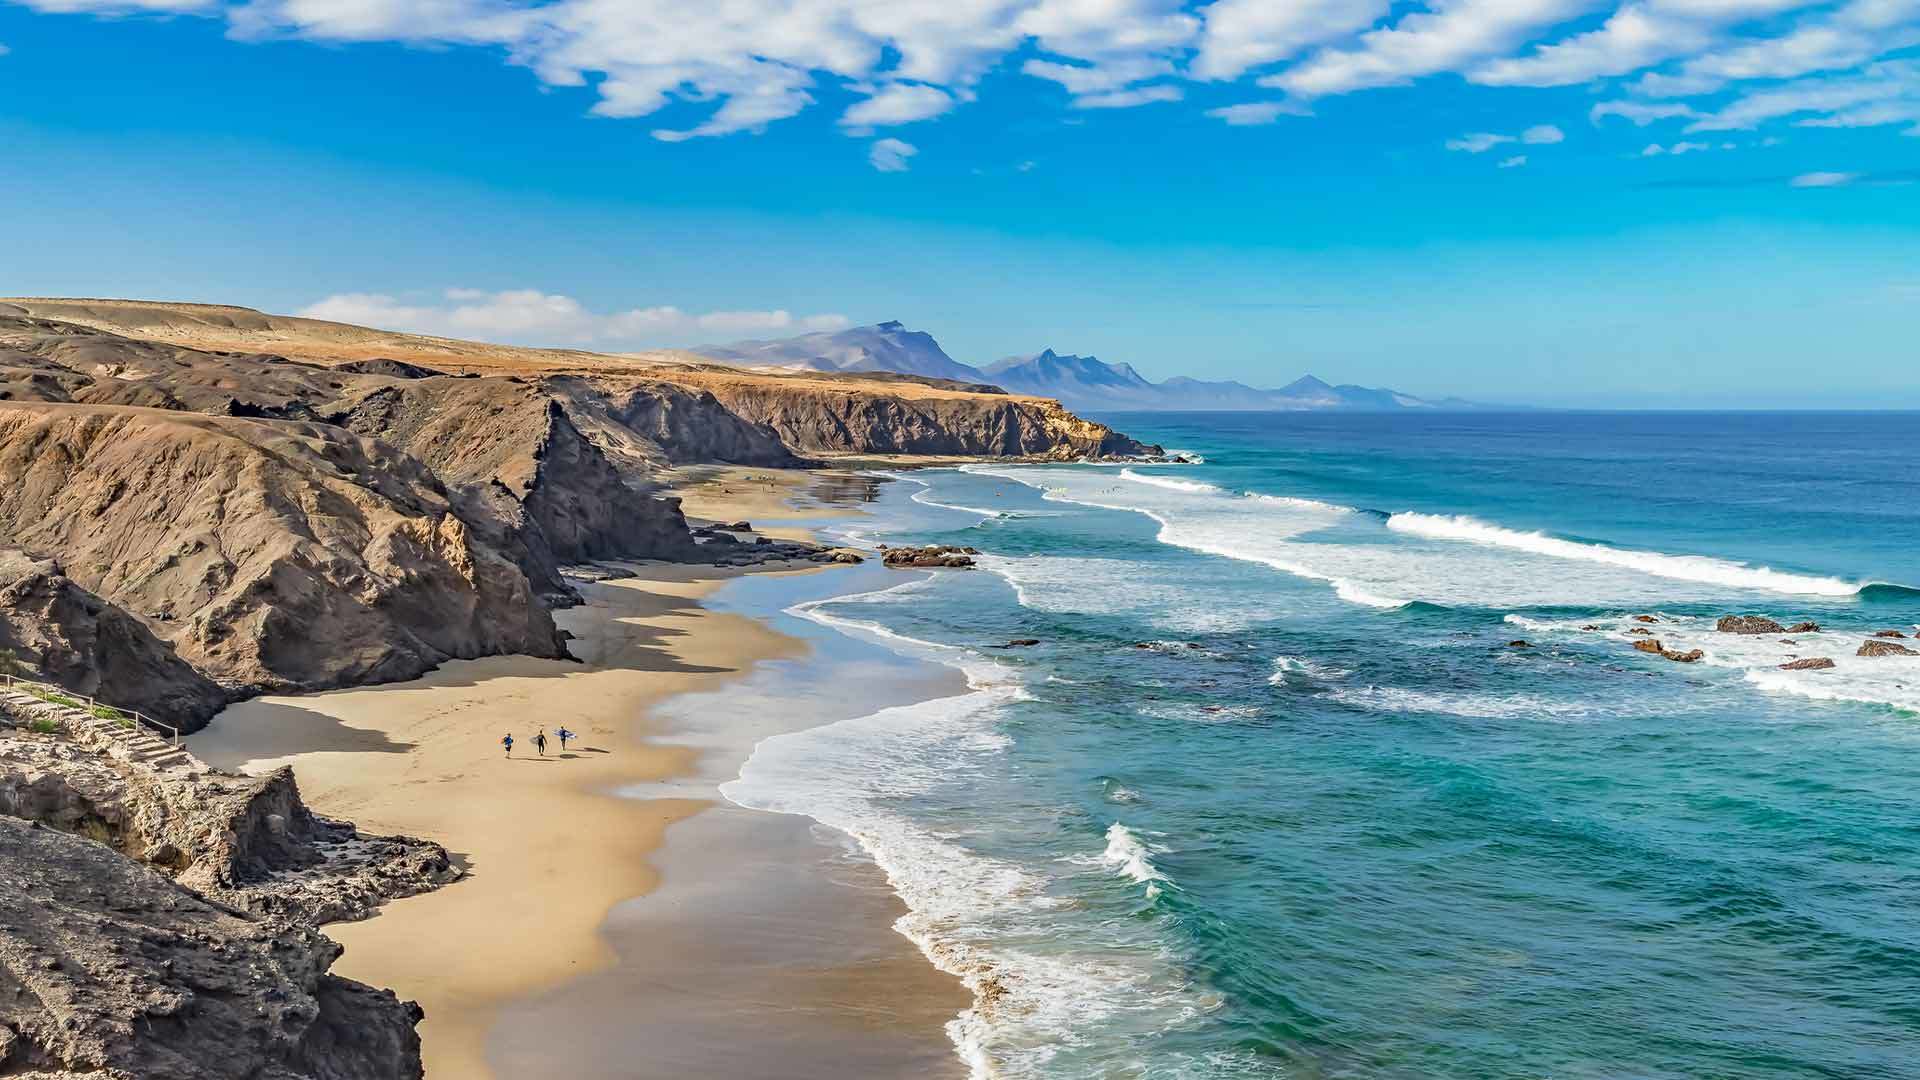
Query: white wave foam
point(924, 499)
point(1394, 566)
point(1128, 855)
point(1700, 568)
point(1289, 669)
point(1487, 706)
point(1295, 503)
point(1200, 714)
point(1172, 483)
point(1891, 681)
point(966, 911)
point(1155, 594)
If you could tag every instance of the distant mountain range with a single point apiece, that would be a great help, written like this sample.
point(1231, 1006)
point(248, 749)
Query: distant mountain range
point(1078, 382)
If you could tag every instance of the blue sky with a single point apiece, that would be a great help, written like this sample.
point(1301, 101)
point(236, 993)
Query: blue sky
point(1475, 197)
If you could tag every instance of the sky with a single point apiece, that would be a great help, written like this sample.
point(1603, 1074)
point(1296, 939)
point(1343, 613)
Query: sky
point(1631, 203)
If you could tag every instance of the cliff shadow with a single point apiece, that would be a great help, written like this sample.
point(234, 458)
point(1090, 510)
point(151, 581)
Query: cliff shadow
point(261, 730)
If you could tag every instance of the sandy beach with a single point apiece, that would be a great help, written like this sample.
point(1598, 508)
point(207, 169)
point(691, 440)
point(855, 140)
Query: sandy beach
point(552, 844)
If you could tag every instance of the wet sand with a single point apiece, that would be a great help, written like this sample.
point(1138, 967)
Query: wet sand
point(769, 950)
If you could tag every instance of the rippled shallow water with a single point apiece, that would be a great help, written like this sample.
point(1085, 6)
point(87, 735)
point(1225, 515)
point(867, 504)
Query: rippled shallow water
point(1275, 796)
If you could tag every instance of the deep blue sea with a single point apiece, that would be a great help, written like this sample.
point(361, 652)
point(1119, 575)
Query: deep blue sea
point(1276, 797)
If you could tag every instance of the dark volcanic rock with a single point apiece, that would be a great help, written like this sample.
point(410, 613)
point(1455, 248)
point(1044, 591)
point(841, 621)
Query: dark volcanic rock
point(1885, 648)
point(109, 969)
point(1519, 644)
point(1811, 663)
point(1889, 634)
point(1748, 624)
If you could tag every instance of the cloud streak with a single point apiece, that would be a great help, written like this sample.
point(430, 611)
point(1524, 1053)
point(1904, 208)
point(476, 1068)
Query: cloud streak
point(702, 71)
point(532, 317)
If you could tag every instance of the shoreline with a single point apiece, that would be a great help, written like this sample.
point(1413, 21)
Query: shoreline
point(568, 857)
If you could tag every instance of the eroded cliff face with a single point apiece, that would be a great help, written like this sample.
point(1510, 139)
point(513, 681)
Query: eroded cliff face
point(107, 968)
point(161, 916)
point(815, 414)
point(78, 640)
point(272, 555)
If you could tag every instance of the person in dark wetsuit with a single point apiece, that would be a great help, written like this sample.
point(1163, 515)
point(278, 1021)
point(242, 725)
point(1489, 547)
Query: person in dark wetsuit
point(540, 742)
point(507, 741)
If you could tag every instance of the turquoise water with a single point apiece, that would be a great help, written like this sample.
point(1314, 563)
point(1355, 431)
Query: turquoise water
point(1275, 797)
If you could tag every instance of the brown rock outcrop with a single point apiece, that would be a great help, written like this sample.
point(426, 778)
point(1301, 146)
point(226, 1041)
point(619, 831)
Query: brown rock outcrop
point(1810, 663)
point(69, 636)
point(1653, 645)
point(817, 413)
point(930, 557)
point(272, 555)
point(109, 969)
point(1889, 634)
point(1885, 648)
point(1748, 624)
point(1803, 628)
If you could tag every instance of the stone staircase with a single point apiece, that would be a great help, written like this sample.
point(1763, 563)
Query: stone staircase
point(125, 738)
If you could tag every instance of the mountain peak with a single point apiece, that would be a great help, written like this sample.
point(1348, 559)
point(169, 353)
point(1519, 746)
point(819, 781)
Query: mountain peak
point(1306, 384)
point(890, 324)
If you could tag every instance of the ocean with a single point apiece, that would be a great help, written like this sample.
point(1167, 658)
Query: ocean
point(1276, 795)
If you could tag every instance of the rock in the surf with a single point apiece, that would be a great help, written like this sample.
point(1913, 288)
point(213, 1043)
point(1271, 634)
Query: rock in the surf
point(1811, 663)
point(931, 557)
point(1518, 644)
point(1889, 634)
point(1804, 628)
point(1645, 618)
point(1885, 648)
point(1749, 624)
point(1691, 656)
point(1650, 645)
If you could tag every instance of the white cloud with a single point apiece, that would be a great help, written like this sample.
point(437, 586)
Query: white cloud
point(1479, 142)
point(895, 104)
point(717, 69)
point(1482, 141)
point(1641, 113)
point(890, 155)
point(529, 316)
point(1513, 162)
point(1883, 93)
point(1824, 179)
point(1254, 113)
point(1127, 99)
point(1098, 78)
point(1244, 34)
point(1448, 38)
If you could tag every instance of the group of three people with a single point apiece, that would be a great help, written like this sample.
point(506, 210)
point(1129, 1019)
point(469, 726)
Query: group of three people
point(540, 741)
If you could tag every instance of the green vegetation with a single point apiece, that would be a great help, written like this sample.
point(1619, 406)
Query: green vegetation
point(11, 664)
point(54, 697)
point(44, 726)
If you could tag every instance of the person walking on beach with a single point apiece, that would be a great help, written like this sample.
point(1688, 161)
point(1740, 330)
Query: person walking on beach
point(540, 742)
point(507, 741)
point(563, 735)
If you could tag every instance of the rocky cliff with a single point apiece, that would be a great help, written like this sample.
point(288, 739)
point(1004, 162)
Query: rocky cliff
point(342, 518)
point(70, 636)
point(272, 555)
point(161, 918)
point(823, 414)
point(108, 969)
